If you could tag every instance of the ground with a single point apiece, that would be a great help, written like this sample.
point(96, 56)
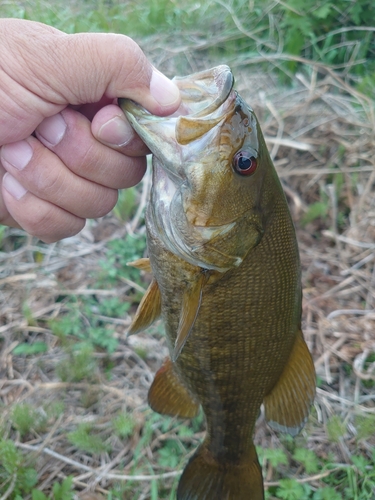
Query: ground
point(73, 386)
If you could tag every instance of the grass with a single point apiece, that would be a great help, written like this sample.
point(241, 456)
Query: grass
point(73, 388)
point(338, 34)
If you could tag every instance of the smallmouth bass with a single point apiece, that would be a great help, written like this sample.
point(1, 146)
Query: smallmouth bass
point(226, 281)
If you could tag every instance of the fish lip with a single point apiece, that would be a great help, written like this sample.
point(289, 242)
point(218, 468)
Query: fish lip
point(222, 83)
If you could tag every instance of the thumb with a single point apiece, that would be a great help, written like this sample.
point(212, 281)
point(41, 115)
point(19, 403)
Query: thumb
point(111, 65)
point(46, 70)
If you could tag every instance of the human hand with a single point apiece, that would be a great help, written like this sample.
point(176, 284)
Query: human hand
point(65, 146)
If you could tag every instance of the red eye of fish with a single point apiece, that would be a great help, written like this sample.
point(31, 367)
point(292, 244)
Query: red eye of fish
point(244, 163)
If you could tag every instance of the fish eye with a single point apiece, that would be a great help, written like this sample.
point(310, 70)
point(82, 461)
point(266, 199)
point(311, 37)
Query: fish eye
point(244, 163)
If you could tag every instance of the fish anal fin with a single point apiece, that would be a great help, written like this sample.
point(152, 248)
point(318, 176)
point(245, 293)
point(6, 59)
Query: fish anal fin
point(149, 309)
point(168, 396)
point(191, 302)
point(204, 478)
point(143, 264)
point(287, 406)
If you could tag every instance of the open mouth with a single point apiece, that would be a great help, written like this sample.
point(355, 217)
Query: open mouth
point(207, 97)
point(202, 94)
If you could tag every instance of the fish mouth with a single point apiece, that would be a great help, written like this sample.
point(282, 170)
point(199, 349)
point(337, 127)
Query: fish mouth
point(206, 98)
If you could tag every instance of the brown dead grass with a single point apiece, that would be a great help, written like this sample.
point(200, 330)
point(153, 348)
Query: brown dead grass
point(319, 130)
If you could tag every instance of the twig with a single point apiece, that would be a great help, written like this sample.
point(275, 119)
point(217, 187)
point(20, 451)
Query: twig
point(289, 143)
point(18, 277)
point(79, 466)
point(309, 479)
point(349, 241)
point(351, 312)
point(280, 129)
point(146, 183)
point(10, 489)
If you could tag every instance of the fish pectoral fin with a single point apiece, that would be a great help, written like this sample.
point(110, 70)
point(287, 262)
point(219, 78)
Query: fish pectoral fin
point(149, 309)
point(222, 260)
point(142, 264)
point(168, 396)
point(287, 406)
point(191, 302)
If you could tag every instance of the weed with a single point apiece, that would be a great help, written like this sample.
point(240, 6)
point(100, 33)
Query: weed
point(369, 363)
point(79, 363)
point(365, 425)
point(335, 429)
point(275, 456)
point(123, 425)
point(26, 349)
point(290, 489)
point(25, 418)
point(15, 478)
point(81, 320)
point(185, 432)
point(69, 323)
point(170, 454)
point(55, 409)
point(113, 307)
point(61, 491)
point(86, 440)
point(126, 204)
point(119, 253)
point(28, 314)
point(316, 210)
point(141, 352)
point(328, 493)
point(308, 459)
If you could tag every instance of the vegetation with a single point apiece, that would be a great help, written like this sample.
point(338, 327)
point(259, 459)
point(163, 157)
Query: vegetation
point(73, 388)
point(339, 34)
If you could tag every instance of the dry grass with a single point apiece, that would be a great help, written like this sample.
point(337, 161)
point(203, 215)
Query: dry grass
point(321, 135)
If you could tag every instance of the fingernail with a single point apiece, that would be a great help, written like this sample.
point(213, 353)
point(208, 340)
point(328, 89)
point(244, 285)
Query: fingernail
point(116, 131)
point(17, 154)
point(13, 186)
point(52, 129)
point(163, 90)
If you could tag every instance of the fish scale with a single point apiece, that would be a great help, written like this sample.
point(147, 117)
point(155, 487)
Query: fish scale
point(226, 281)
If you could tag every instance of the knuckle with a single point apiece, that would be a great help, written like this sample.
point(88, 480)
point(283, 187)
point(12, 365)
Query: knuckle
point(105, 203)
point(138, 68)
point(49, 231)
point(48, 182)
point(51, 228)
point(40, 222)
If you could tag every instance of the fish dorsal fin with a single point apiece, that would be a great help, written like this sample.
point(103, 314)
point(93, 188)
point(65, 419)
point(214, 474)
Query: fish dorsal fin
point(168, 396)
point(190, 129)
point(142, 264)
point(287, 406)
point(191, 302)
point(149, 309)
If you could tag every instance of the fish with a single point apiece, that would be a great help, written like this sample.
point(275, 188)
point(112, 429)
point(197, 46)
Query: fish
point(226, 282)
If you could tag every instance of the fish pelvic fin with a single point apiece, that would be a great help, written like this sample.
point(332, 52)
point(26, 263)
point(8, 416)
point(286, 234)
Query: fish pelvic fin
point(149, 309)
point(287, 406)
point(168, 396)
point(143, 264)
point(191, 302)
point(205, 478)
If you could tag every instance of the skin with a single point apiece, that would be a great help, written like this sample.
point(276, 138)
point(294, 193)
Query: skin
point(65, 145)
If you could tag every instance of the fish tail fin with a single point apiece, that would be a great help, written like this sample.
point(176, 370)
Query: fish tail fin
point(205, 478)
